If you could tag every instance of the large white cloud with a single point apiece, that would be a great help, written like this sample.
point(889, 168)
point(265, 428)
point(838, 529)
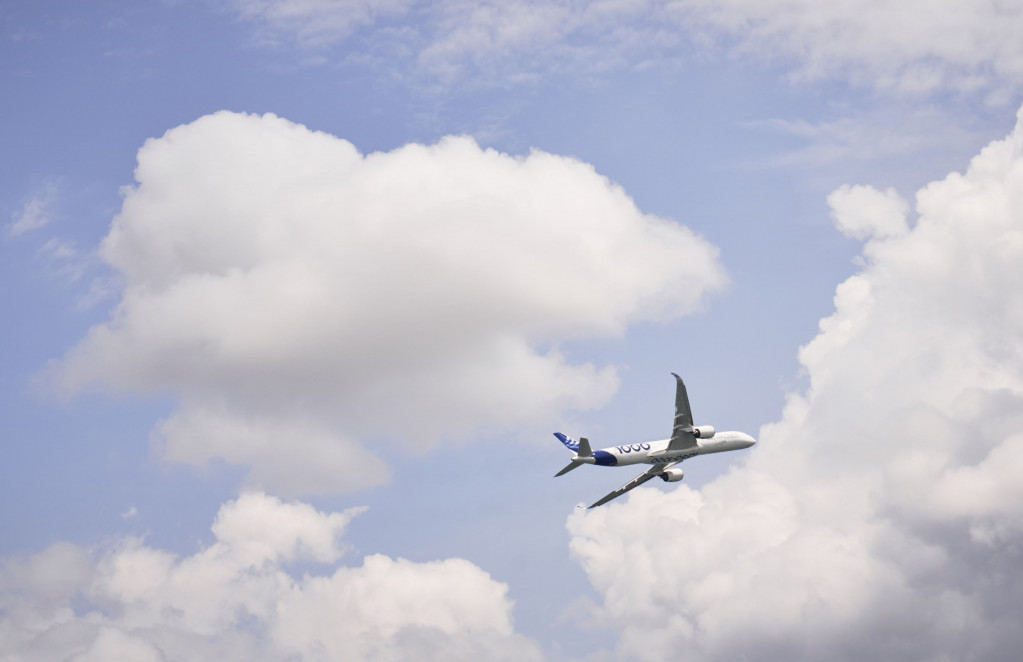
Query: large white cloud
point(300, 298)
point(881, 517)
point(239, 599)
point(910, 46)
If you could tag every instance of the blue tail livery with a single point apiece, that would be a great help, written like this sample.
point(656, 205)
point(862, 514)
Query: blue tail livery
point(570, 443)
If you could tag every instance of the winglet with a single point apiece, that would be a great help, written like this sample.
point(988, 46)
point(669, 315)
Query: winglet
point(683, 414)
point(682, 429)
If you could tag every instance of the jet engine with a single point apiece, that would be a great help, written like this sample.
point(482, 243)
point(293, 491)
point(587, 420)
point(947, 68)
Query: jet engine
point(704, 432)
point(672, 475)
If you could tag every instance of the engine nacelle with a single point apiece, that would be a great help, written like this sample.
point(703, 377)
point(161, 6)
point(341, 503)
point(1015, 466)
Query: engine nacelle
point(704, 432)
point(672, 475)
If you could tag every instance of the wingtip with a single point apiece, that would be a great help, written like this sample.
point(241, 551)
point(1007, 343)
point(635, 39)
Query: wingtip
point(675, 375)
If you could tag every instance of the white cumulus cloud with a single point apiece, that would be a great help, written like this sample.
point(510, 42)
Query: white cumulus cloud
point(881, 517)
point(303, 300)
point(863, 212)
point(237, 599)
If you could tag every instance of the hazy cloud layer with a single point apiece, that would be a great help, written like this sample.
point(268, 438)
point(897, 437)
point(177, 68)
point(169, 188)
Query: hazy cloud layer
point(914, 46)
point(881, 517)
point(910, 46)
point(238, 599)
point(300, 298)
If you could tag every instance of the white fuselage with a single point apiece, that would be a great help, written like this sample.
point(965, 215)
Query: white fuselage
point(655, 452)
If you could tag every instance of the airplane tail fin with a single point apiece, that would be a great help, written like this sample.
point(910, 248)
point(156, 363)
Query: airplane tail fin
point(570, 443)
point(580, 448)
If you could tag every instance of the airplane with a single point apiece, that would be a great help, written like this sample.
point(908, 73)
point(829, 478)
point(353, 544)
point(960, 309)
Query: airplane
point(686, 441)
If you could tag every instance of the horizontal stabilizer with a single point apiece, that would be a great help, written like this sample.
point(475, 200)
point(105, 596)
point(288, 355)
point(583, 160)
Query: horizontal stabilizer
point(571, 465)
point(580, 448)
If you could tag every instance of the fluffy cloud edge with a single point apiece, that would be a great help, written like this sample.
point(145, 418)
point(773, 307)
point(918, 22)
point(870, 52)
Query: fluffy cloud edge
point(879, 516)
point(239, 598)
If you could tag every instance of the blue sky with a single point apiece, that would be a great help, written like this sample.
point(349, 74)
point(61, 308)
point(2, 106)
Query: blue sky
point(297, 291)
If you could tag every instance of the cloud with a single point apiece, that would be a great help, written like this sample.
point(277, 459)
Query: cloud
point(36, 213)
point(304, 301)
point(912, 47)
point(862, 139)
point(237, 600)
point(316, 22)
point(863, 212)
point(498, 42)
point(881, 517)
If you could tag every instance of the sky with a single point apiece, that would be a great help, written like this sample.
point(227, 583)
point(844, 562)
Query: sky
point(296, 291)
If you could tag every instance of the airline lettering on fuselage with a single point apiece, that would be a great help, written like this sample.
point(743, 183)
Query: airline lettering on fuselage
point(633, 448)
point(672, 458)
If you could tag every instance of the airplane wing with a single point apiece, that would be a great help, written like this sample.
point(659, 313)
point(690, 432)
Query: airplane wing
point(682, 432)
point(636, 482)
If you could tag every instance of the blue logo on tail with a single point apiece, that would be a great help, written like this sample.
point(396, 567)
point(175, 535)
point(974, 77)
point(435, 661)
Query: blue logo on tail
point(570, 443)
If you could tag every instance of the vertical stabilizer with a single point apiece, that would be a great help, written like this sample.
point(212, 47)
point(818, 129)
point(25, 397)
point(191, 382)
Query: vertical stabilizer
point(570, 443)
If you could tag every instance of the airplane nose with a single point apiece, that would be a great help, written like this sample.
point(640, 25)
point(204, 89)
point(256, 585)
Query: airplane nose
point(750, 441)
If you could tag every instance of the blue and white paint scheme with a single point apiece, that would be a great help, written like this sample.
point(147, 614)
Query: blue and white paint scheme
point(686, 441)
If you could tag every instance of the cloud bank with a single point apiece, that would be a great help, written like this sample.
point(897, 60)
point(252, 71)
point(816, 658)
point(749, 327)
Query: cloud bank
point(882, 516)
point(239, 600)
point(307, 303)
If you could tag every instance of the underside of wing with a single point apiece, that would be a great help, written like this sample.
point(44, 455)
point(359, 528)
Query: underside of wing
point(636, 482)
point(571, 465)
point(682, 431)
